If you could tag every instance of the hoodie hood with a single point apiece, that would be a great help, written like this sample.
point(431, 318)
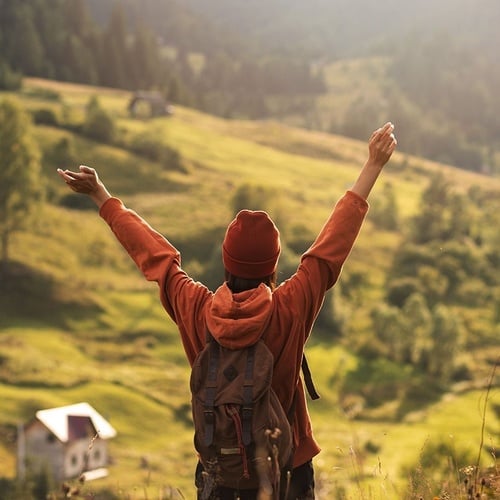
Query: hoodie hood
point(240, 319)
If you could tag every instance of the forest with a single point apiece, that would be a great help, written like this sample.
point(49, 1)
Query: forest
point(437, 78)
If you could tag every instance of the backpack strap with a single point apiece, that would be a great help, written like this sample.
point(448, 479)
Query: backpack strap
point(286, 473)
point(308, 379)
point(210, 393)
point(246, 410)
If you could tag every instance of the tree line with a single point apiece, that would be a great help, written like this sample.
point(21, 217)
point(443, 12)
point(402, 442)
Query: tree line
point(453, 102)
point(441, 86)
point(440, 90)
point(59, 40)
point(442, 93)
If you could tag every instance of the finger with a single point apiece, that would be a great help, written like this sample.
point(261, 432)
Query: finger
point(387, 139)
point(387, 129)
point(72, 176)
point(391, 147)
point(383, 132)
point(65, 174)
point(84, 168)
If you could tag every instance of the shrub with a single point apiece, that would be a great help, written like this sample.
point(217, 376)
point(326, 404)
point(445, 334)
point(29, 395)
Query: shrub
point(151, 147)
point(98, 123)
point(377, 381)
point(76, 202)
point(9, 79)
point(45, 116)
point(400, 289)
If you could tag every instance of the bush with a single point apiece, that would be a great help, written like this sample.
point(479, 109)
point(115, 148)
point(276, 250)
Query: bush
point(77, 202)
point(300, 238)
point(9, 79)
point(252, 197)
point(98, 123)
point(44, 116)
point(400, 289)
point(377, 381)
point(153, 149)
point(62, 154)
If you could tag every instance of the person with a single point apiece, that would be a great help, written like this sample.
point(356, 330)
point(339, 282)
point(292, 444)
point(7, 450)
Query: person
point(249, 304)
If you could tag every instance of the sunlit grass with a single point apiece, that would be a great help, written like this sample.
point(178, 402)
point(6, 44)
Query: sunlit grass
point(115, 347)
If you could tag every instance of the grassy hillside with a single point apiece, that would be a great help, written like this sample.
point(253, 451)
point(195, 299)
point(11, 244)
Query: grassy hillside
point(78, 322)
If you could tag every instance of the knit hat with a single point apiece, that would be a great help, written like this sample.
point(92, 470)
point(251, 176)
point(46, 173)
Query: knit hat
point(251, 246)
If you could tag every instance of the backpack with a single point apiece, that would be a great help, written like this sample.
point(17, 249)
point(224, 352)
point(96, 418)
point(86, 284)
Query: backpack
point(242, 433)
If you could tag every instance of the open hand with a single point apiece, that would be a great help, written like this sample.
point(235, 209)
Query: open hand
point(382, 144)
point(86, 181)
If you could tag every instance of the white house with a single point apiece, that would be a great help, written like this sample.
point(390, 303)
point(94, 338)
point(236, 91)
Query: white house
point(67, 442)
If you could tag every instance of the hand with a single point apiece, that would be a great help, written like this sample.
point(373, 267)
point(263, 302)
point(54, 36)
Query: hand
point(381, 145)
point(86, 181)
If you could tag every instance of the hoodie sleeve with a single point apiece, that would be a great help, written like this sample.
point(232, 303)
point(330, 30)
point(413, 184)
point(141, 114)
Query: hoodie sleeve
point(159, 261)
point(322, 263)
point(335, 241)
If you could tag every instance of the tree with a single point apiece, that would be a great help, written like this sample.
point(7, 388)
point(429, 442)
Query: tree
point(417, 322)
point(20, 188)
point(388, 329)
point(430, 223)
point(23, 48)
point(99, 124)
point(447, 338)
point(112, 56)
point(384, 211)
point(9, 79)
point(145, 64)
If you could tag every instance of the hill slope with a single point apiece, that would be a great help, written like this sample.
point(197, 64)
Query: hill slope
point(81, 324)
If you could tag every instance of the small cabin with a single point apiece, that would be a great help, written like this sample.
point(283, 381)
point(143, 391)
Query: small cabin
point(66, 442)
point(144, 104)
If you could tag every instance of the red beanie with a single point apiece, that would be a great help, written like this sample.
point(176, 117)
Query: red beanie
point(251, 246)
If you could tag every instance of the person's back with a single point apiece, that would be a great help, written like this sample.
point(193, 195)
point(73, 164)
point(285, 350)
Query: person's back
point(247, 307)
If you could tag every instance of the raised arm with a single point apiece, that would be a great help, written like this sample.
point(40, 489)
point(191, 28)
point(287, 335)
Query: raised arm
point(381, 145)
point(86, 181)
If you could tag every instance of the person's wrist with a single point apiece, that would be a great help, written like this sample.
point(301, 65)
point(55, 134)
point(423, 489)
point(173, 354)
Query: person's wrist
point(374, 164)
point(100, 195)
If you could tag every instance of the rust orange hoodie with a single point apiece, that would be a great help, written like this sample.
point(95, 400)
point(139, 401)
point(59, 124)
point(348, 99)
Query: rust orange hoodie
point(283, 317)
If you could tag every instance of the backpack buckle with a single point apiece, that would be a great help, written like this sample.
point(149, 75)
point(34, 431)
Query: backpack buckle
point(209, 416)
point(246, 412)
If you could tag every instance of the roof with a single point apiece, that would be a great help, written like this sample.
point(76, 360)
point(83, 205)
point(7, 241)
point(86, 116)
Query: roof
point(148, 96)
point(60, 421)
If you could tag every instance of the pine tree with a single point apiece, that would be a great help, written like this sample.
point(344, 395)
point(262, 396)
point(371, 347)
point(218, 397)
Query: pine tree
point(20, 188)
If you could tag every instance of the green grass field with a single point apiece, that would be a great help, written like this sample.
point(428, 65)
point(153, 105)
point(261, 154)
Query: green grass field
point(81, 324)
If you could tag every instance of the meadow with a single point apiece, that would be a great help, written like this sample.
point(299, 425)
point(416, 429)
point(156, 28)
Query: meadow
point(79, 323)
